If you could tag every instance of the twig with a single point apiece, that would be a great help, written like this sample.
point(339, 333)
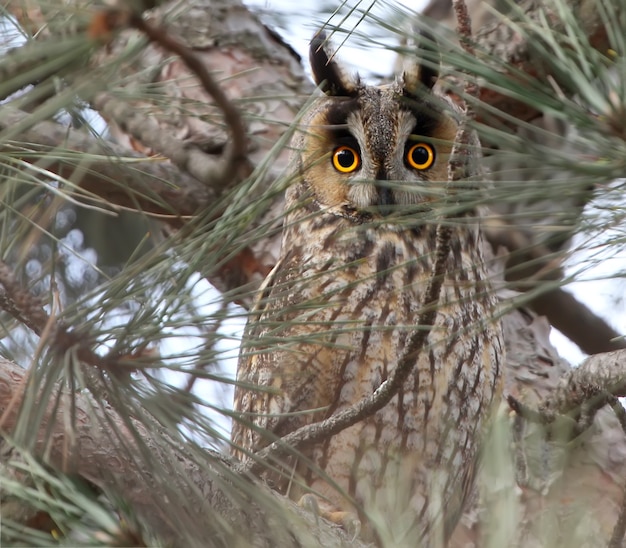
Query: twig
point(29, 309)
point(590, 407)
point(236, 151)
point(464, 31)
point(522, 410)
point(463, 25)
point(461, 149)
point(224, 171)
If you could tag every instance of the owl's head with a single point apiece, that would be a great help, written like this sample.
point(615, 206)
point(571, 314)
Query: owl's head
point(373, 148)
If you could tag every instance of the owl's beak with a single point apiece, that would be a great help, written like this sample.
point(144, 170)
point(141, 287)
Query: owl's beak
point(385, 196)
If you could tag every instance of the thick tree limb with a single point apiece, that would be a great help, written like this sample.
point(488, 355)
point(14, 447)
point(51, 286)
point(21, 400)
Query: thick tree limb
point(146, 130)
point(602, 372)
point(583, 390)
point(106, 174)
point(577, 322)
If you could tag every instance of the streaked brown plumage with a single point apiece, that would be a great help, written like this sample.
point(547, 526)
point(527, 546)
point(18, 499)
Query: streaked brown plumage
point(336, 312)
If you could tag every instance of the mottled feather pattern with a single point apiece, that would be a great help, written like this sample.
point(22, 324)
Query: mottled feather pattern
point(339, 341)
point(335, 315)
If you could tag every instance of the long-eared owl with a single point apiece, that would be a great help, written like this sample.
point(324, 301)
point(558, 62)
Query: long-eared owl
point(336, 313)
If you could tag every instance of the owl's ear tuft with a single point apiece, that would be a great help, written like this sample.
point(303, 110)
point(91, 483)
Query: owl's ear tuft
point(328, 74)
point(422, 75)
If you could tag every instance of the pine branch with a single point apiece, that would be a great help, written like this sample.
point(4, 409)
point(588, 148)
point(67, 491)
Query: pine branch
point(21, 304)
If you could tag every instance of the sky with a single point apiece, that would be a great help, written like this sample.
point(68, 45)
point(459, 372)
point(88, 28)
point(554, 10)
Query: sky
point(297, 22)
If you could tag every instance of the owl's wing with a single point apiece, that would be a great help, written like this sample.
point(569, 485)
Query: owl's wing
point(288, 372)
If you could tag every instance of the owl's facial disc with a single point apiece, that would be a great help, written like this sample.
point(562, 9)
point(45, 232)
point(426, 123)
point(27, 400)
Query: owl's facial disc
point(378, 150)
point(383, 152)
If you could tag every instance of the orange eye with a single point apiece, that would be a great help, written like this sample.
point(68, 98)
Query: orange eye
point(420, 156)
point(346, 159)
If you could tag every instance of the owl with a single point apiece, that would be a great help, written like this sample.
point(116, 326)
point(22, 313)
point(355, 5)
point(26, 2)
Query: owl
point(336, 313)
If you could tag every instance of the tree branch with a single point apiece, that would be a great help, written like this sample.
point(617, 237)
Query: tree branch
point(104, 170)
point(582, 390)
point(602, 372)
point(577, 322)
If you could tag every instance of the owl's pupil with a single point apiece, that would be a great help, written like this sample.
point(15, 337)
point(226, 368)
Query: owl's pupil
point(345, 158)
point(420, 155)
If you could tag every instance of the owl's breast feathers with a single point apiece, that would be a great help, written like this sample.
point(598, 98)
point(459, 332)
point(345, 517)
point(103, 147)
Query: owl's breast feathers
point(332, 322)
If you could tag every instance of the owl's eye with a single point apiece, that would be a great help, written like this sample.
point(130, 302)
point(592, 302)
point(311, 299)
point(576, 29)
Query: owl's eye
point(420, 156)
point(346, 159)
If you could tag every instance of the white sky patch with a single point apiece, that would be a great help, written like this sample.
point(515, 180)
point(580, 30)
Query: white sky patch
point(297, 22)
point(184, 344)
